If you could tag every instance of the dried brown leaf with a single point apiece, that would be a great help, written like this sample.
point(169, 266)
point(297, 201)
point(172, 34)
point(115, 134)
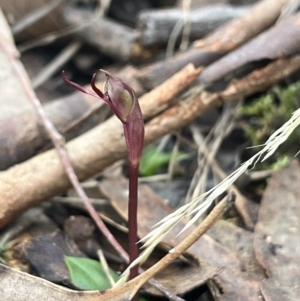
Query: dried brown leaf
point(18, 286)
point(240, 242)
point(277, 234)
point(47, 255)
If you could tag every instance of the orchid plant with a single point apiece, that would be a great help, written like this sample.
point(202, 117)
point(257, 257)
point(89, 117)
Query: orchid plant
point(122, 100)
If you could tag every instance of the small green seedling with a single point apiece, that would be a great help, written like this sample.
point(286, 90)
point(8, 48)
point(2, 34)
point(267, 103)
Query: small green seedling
point(88, 274)
point(153, 159)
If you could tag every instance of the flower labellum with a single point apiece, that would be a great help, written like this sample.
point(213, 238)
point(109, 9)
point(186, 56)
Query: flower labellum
point(122, 100)
point(121, 95)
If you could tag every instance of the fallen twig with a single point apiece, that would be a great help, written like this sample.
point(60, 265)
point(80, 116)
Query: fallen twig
point(281, 40)
point(35, 16)
point(203, 20)
point(110, 37)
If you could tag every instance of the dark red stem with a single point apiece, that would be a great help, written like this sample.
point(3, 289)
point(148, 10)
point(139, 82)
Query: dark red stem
point(132, 217)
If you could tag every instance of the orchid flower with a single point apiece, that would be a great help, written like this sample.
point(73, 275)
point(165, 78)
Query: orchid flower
point(122, 100)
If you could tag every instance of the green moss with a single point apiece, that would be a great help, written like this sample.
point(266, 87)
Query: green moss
point(269, 112)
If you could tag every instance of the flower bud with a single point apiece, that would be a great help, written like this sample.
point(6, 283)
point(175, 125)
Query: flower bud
point(121, 96)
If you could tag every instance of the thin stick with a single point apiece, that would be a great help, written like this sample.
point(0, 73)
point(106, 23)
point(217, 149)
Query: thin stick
point(65, 55)
point(50, 37)
point(77, 201)
point(34, 16)
point(215, 214)
point(105, 267)
point(186, 6)
point(173, 38)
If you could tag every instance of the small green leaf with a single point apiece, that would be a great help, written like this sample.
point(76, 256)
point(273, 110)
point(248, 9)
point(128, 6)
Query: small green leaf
point(152, 160)
point(281, 162)
point(88, 274)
